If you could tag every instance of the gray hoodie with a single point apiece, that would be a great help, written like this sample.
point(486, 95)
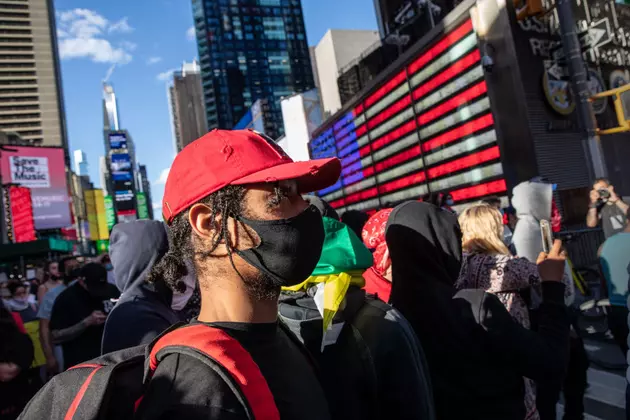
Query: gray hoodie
point(143, 310)
point(532, 202)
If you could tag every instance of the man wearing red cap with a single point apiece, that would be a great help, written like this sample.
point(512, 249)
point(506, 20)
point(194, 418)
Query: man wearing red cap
point(232, 205)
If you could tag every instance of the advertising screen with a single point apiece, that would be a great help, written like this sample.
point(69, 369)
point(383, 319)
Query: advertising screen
point(110, 213)
point(124, 201)
point(42, 169)
point(428, 128)
point(101, 216)
point(117, 141)
point(21, 214)
point(121, 167)
point(143, 210)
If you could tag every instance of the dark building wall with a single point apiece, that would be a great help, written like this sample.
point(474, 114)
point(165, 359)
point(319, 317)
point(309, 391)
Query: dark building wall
point(249, 51)
point(188, 109)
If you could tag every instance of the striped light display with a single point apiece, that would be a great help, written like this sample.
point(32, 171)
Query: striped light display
point(428, 128)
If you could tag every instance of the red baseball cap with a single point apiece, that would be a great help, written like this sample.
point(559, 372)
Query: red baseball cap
point(237, 157)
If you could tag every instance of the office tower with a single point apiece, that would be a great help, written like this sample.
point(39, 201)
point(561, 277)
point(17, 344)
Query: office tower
point(185, 97)
point(80, 163)
point(120, 159)
point(110, 108)
point(250, 50)
point(145, 186)
point(302, 114)
point(31, 100)
point(335, 50)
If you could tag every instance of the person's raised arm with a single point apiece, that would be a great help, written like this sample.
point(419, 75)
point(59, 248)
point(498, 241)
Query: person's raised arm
point(542, 354)
point(61, 335)
point(616, 200)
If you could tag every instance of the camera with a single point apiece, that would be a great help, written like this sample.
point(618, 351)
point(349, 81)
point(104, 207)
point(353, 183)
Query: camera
point(487, 62)
point(604, 194)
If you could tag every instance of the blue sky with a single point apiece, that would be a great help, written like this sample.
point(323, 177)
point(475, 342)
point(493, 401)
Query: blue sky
point(146, 39)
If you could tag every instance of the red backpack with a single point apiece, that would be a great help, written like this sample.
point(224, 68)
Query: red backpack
point(112, 386)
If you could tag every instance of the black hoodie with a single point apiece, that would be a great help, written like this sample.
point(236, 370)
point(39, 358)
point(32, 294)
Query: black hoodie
point(144, 310)
point(477, 354)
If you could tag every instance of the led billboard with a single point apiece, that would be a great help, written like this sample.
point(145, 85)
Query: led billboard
point(110, 213)
point(143, 209)
point(117, 141)
point(42, 169)
point(121, 167)
point(427, 128)
point(21, 214)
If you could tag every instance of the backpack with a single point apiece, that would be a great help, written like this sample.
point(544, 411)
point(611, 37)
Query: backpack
point(112, 386)
point(376, 368)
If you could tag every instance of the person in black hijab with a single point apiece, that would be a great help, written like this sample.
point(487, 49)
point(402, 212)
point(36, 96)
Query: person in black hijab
point(477, 353)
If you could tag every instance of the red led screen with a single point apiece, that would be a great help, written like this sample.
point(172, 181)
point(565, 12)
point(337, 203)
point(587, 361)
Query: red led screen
point(426, 128)
point(22, 214)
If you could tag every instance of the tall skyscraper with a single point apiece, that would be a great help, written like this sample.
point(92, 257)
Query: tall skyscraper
point(185, 97)
point(249, 50)
point(110, 108)
point(120, 159)
point(31, 100)
point(145, 186)
point(80, 163)
point(334, 51)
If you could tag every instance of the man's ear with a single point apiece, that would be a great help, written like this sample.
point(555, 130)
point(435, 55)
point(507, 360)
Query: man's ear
point(202, 221)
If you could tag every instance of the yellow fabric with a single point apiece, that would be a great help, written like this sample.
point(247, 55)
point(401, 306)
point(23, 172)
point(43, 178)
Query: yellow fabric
point(32, 329)
point(335, 288)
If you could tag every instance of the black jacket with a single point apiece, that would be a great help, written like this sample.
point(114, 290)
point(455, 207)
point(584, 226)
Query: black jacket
point(144, 310)
point(477, 354)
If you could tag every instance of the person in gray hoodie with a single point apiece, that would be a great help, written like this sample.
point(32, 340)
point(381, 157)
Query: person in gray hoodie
point(532, 201)
point(144, 309)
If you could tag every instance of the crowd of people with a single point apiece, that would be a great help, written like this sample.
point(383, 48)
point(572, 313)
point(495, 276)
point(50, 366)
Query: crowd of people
point(254, 300)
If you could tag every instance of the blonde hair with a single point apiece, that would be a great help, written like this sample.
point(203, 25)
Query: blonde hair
point(482, 230)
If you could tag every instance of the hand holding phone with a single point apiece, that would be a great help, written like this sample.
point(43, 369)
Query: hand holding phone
point(546, 236)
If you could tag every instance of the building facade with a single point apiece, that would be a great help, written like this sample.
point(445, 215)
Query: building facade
point(302, 114)
point(250, 50)
point(188, 114)
point(80, 163)
point(334, 51)
point(31, 101)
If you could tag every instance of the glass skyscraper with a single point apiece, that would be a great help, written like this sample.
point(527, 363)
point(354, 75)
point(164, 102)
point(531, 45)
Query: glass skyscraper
point(249, 50)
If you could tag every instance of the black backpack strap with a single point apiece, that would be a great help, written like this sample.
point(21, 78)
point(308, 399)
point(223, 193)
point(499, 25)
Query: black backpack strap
point(215, 344)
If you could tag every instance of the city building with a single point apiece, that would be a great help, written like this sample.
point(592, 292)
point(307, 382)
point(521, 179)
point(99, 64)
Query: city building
point(188, 114)
point(120, 168)
point(302, 114)
point(145, 187)
point(80, 163)
point(258, 118)
point(250, 50)
point(334, 51)
point(31, 100)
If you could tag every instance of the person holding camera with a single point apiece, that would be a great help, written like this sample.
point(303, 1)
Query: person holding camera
point(607, 207)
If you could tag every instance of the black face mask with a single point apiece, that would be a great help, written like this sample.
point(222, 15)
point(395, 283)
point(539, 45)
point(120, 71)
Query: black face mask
point(289, 248)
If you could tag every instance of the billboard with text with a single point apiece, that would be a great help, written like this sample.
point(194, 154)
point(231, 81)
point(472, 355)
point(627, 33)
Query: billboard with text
point(117, 141)
point(42, 169)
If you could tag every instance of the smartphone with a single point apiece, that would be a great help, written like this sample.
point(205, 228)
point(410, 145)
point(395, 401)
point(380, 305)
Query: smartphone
point(546, 236)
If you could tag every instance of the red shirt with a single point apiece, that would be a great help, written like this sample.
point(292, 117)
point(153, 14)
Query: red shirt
point(375, 284)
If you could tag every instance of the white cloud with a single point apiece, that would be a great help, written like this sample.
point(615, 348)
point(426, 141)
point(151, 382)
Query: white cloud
point(165, 75)
point(190, 33)
point(82, 34)
point(153, 60)
point(98, 50)
point(122, 26)
point(163, 176)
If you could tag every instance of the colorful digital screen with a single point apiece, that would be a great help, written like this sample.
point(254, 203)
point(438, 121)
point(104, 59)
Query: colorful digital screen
point(121, 169)
point(43, 171)
point(21, 214)
point(117, 141)
point(426, 129)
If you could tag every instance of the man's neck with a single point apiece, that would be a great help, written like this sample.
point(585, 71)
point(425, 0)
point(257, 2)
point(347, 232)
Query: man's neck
point(230, 301)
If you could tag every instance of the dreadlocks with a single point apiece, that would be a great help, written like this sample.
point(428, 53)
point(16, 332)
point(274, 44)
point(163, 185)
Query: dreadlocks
point(172, 267)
